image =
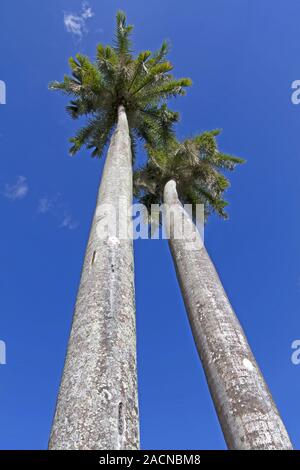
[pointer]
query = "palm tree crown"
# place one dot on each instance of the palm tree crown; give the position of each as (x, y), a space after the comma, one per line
(197, 167)
(141, 84)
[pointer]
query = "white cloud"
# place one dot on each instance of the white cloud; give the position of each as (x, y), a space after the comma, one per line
(58, 209)
(86, 11)
(75, 23)
(44, 205)
(68, 222)
(16, 190)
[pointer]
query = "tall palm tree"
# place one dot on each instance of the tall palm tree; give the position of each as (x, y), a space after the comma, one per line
(123, 97)
(245, 408)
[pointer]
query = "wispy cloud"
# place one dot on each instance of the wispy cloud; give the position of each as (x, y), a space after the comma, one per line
(68, 222)
(75, 23)
(17, 190)
(58, 209)
(44, 205)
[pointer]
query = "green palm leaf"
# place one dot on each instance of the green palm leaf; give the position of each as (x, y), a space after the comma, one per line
(142, 84)
(197, 167)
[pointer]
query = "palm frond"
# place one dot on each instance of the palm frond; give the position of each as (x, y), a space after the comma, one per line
(122, 44)
(141, 84)
(94, 135)
(197, 167)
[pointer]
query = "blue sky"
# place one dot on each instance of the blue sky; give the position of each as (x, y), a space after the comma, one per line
(243, 56)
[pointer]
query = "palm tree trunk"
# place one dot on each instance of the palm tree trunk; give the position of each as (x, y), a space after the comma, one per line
(97, 406)
(245, 408)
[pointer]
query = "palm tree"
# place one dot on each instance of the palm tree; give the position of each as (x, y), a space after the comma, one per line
(245, 408)
(123, 97)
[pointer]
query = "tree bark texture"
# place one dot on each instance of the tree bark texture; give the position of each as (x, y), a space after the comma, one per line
(97, 406)
(245, 408)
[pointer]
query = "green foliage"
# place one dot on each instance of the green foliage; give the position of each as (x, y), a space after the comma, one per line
(197, 167)
(141, 84)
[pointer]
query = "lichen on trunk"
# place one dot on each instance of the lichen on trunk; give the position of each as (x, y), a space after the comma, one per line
(97, 406)
(245, 408)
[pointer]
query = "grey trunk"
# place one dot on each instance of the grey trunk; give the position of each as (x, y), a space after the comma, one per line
(245, 408)
(97, 406)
